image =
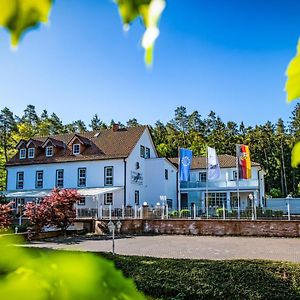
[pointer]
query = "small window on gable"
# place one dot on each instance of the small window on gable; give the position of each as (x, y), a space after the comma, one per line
(142, 151)
(76, 149)
(166, 174)
(31, 152)
(202, 177)
(49, 151)
(147, 154)
(22, 153)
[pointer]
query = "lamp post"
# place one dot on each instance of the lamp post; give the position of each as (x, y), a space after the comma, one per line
(111, 227)
(288, 198)
(251, 197)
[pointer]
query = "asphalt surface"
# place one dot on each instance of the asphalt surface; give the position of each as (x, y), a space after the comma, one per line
(192, 247)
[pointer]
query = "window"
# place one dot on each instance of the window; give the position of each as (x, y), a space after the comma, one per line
(20, 180)
(216, 199)
(166, 174)
(49, 151)
(147, 155)
(76, 149)
(202, 177)
(142, 151)
(59, 178)
(234, 175)
(22, 153)
(170, 203)
(39, 176)
(108, 198)
(31, 152)
(136, 197)
(108, 176)
(81, 177)
(81, 201)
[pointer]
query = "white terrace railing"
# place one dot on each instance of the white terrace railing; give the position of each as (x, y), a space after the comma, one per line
(145, 212)
(251, 183)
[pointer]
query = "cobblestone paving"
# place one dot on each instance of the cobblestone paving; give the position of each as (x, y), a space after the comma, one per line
(195, 247)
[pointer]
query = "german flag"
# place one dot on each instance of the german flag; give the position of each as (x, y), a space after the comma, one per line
(244, 163)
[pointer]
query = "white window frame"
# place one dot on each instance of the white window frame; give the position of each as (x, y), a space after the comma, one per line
(109, 177)
(18, 181)
(47, 151)
(31, 152)
(111, 201)
(202, 174)
(59, 178)
(147, 152)
(22, 154)
(142, 151)
(39, 182)
(81, 177)
(75, 146)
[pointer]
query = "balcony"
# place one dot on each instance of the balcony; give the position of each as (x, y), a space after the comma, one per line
(220, 184)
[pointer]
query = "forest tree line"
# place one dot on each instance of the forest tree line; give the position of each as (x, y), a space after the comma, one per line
(270, 144)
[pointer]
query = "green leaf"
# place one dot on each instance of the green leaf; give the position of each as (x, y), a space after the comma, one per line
(292, 86)
(149, 11)
(17, 16)
(296, 155)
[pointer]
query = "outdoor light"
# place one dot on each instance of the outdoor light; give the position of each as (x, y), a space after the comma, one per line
(145, 203)
(157, 204)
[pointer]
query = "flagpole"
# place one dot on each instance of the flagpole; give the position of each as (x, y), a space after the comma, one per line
(178, 184)
(238, 179)
(206, 198)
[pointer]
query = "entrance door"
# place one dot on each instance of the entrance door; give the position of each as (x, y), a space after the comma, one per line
(184, 200)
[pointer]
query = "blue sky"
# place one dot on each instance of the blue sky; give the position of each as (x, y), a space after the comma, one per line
(227, 56)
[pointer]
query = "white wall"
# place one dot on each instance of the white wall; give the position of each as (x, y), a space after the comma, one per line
(146, 141)
(157, 185)
(94, 174)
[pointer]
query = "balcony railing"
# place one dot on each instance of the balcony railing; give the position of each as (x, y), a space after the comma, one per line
(251, 183)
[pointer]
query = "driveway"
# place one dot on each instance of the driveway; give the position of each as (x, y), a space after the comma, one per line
(194, 247)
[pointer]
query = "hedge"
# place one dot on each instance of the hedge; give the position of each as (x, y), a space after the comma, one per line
(204, 279)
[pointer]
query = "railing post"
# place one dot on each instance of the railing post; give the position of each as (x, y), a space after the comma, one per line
(123, 212)
(101, 212)
(167, 211)
(224, 213)
(109, 211)
(288, 210)
(135, 211)
(163, 212)
(141, 212)
(194, 207)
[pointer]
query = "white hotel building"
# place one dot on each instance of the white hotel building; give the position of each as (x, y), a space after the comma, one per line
(117, 166)
(120, 167)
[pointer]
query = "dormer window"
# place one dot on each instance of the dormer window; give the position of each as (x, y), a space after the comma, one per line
(76, 149)
(49, 151)
(31, 152)
(22, 153)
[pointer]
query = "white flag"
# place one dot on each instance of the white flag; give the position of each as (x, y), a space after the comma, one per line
(213, 168)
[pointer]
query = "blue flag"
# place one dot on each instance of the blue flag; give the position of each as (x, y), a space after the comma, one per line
(185, 161)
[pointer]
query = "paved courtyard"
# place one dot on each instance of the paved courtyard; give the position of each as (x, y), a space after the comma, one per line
(195, 247)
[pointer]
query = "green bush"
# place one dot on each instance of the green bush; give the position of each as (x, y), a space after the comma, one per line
(204, 279)
(185, 213)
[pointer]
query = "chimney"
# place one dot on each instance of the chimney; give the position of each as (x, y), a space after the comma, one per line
(115, 127)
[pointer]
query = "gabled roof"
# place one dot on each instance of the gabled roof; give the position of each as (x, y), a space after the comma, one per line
(104, 144)
(21, 142)
(83, 140)
(55, 142)
(36, 143)
(225, 161)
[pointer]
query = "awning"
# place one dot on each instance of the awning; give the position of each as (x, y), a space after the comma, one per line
(44, 193)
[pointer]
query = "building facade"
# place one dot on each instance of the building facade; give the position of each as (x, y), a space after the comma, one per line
(224, 191)
(117, 166)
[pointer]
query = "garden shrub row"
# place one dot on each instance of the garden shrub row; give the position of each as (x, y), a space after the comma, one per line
(204, 279)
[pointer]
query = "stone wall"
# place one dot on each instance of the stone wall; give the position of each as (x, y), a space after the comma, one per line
(206, 227)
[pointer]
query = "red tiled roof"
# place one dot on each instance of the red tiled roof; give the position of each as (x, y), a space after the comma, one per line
(225, 161)
(104, 144)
